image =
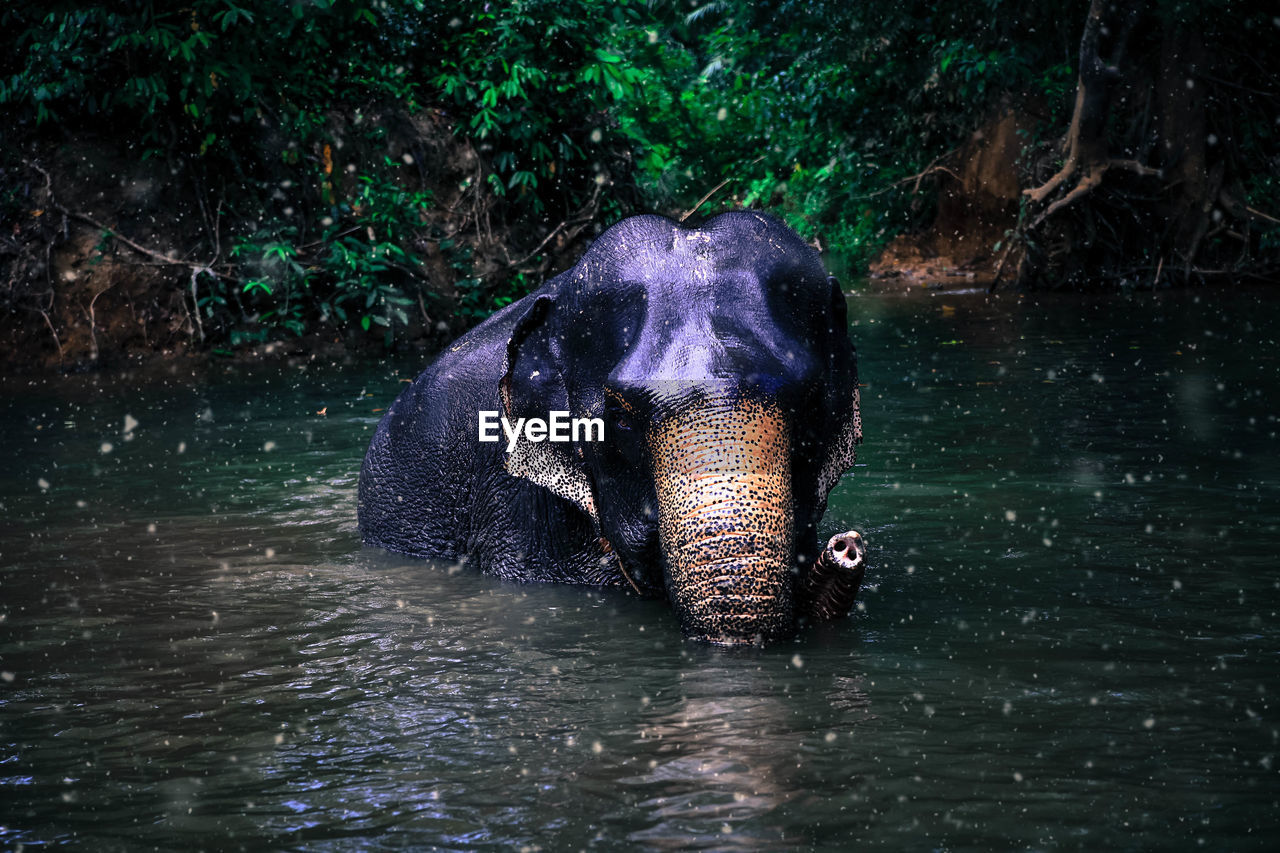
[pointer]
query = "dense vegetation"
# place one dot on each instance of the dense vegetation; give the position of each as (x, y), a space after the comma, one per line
(403, 167)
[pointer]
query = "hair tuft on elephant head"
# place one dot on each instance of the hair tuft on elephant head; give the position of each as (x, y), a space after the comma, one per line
(675, 409)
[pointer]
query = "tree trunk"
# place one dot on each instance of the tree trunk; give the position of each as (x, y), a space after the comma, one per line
(1181, 155)
(1088, 156)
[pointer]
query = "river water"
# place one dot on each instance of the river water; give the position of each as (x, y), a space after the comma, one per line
(1068, 636)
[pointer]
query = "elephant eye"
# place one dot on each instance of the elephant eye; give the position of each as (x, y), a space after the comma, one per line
(618, 415)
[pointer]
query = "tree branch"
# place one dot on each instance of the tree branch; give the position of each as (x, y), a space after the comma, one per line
(713, 191)
(585, 214)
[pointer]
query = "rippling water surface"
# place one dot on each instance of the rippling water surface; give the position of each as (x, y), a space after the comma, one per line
(1069, 634)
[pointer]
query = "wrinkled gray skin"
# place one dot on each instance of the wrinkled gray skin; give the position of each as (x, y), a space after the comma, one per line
(718, 358)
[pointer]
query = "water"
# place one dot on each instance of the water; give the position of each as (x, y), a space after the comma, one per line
(1069, 635)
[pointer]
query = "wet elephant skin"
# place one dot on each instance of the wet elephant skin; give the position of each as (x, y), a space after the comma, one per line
(717, 358)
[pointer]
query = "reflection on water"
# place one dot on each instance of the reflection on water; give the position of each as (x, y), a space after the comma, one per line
(1069, 634)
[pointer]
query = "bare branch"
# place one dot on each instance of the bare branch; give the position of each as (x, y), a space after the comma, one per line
(704, 199)
(584, 215)
(1261, 215)
(1135, 167)
(713, 191)
(52, 331)
(195, 300)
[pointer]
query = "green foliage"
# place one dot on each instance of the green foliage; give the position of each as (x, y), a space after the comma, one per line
(544, 86)
(277, 114)
(794, 106)
(241, 97)
(356, 271)
(816, 108)
(207, 67)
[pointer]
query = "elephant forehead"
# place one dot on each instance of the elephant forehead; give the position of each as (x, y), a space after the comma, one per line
(695, 264)
(696, 346)
(746, 234)
(724, 332)
(678, 269)
(742, 261)
(738, 299)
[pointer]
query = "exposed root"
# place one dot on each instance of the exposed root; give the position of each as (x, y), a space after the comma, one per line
(1087, 184)
(1037, 195)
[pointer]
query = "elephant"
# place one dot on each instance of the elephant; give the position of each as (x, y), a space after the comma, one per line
(711, 369)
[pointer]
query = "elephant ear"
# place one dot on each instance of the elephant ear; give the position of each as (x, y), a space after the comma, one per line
(533, 385)
(842, 396)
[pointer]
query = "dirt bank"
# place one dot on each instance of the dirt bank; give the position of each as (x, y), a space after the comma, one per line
(110, 259)
(978, 191)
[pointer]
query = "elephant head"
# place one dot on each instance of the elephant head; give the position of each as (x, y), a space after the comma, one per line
(719, 361)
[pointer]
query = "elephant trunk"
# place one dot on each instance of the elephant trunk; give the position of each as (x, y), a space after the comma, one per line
(831, 586)
(726, 521)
